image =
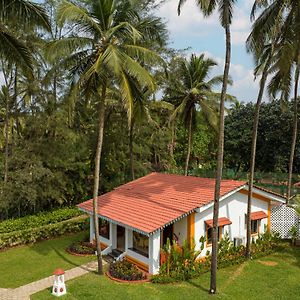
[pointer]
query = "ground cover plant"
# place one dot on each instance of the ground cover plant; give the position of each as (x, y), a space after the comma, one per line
(126, 271)
(82, 247)
(249, 280)
(24, 264)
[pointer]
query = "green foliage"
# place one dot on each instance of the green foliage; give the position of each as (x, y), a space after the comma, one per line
(32, 235)
(39, 220)
(294, 231)
(180, 264)
(81, 247)
(125, 270)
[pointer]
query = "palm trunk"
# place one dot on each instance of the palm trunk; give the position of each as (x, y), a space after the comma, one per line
(214, 255)
(131, 126)
(6, 141)
(97, 177)
(295, 132)
(253, 153)
(189, 145)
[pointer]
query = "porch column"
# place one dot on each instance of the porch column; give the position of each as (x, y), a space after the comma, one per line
(92, 233)
(113, 235)
(154, 253)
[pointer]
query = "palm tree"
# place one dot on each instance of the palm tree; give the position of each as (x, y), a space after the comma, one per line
(275, 44)
(262, 46)
(27, 14)
(225, 8)
(109, 53)
(193, 89)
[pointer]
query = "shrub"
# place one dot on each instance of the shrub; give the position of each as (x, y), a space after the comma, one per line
(39, 220)
(32, 235)
(126, 271)
(82, 248)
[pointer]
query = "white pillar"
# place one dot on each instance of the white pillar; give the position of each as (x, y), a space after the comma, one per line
(92, 229)
(154, 253)
(113, 235)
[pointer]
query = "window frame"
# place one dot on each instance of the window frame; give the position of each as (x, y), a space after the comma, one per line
(138, 250)
(257, 227)
(107, 224)
(220, 234)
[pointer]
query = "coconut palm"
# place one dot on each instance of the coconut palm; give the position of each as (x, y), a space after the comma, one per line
(225, 9)
(28, 15)
(275, 43)
(194, 89)
(107, 52)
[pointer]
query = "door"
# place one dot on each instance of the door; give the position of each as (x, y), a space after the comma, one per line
(168, 234)
(120, 238)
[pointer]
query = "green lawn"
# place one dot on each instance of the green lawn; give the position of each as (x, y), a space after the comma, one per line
(25, 264)
(274, 277)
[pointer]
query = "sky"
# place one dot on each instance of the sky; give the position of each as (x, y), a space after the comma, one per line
(205, 35)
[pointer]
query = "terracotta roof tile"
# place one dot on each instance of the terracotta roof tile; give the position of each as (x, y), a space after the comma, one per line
(221, 222)
(258, 215)
(155, 200)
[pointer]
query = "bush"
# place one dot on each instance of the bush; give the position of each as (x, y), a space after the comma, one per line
(32, 235)
(39, 220)
(82, 248)
(126, 271)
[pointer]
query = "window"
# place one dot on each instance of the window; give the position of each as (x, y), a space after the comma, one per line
(254, 226)
(209, 232)
(104, 228)
(140, 243)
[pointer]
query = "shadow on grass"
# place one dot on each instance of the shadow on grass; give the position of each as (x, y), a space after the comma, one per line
(199, 286)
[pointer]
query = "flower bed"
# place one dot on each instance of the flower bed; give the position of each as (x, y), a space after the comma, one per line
(81, 248)
(124, 271)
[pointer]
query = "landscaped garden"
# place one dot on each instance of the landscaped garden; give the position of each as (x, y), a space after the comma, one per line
(275, 276)
(24, 264)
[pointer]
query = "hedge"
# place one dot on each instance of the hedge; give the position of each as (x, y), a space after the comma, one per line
(32, 235)
(39, 220)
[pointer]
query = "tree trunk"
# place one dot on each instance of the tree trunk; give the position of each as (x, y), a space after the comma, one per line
(97, 176)
(189, 145)
(253, 152)
(295, 132)
(6, 140)
(214, 255)
(131, 126)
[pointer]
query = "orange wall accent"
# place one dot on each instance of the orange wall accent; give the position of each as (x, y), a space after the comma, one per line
(138, 263)
(255, 195)
(191, 228)
(269, 216)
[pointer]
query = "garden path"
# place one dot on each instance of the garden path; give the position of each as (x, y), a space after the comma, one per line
(23, 292)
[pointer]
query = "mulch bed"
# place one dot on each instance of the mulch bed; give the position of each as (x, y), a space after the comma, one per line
(78, 254)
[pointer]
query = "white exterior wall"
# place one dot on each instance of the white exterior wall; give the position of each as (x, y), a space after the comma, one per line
(154, 253)
(180, 229)
(234, 208)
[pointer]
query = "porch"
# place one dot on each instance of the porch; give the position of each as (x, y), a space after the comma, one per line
(135, 246)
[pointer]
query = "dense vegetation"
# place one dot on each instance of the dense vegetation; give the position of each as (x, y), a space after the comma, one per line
(49, 125)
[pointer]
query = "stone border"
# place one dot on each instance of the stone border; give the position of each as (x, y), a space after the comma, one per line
(127, 281)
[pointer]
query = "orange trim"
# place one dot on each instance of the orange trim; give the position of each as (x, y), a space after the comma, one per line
(255, 195)
(138, 263)
(191, 228)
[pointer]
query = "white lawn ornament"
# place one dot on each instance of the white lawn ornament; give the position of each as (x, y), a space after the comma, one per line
(59, 287)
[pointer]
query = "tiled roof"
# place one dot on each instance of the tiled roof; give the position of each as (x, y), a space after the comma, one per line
(153, 201)
(221, 222)
(258, 215)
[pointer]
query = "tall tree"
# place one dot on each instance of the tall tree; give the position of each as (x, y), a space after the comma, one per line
(108, 53)
(28, 14)
(193, 89)
(225, 8)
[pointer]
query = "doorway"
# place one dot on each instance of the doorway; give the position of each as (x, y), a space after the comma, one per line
(121, 238)
(168, 234)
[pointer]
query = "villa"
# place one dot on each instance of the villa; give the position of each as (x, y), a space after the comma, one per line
(137, 218)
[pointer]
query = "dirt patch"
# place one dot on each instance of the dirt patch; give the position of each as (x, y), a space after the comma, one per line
(268, 263)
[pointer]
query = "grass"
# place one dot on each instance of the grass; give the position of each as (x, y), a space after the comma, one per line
(25, 264)
(276, 276)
